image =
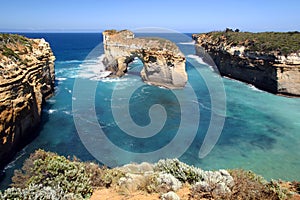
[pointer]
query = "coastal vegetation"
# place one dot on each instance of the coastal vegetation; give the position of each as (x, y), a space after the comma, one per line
(283, 42)
(268, 60)
(13, 46)
(46, 175)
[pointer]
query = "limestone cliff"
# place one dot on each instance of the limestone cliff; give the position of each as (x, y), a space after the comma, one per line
(164, 63)
(269, 61)
(26, 79)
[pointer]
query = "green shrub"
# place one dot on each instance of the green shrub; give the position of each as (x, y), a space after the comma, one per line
(72, 176)
(149, 184)
(248, 185)
(38, 192)
(275, 187)
(9, 53)
(282, 42)
(51, 170)
(57, 170)
(102, 177)
(179, 170)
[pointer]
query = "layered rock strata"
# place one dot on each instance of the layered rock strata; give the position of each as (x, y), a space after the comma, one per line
(164, 63)
(26, 80)
(271, 71)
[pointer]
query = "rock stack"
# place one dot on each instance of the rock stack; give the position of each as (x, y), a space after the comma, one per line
(164, 63)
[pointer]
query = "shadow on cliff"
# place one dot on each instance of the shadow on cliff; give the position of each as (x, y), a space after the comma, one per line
(19, 154)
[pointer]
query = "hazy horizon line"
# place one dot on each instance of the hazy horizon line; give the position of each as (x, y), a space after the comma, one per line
(101, 30)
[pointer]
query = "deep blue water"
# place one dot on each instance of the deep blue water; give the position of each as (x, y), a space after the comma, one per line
(261, 131)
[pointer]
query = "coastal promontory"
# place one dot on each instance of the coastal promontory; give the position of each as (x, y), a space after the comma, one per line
(164, 63)
(26, 80)
(268, 60)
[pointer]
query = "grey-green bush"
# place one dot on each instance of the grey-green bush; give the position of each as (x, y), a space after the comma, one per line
(179, 170)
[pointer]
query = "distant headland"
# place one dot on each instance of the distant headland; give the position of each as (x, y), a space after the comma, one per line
(269, 60)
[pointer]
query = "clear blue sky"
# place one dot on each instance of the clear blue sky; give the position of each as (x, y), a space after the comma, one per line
(180, 15)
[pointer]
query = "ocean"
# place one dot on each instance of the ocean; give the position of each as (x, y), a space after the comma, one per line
(213, 123)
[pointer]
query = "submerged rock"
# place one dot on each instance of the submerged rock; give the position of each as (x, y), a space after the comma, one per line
(164, 63)
(26, 80)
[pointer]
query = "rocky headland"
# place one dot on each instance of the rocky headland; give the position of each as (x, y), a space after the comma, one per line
(270, 61)
(26, 80)
(46, 175)
(164, 63)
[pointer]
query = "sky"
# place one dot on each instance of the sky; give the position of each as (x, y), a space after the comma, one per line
(179, 15)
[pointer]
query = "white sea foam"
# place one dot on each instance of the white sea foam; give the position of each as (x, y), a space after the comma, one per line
(187, 43)
(162, 87)
(200, 61)
(111, 80)
(136, 60)
(52, 101)
(61, 78)
(252, 87)
(93, 69)
(101, 75)
(50, 111)
(67, 112)
(69, 61)
(13, 163)
(197, 58)
(69, 72)
(145, 92)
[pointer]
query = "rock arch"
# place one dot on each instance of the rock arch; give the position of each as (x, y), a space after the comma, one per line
(164, 63)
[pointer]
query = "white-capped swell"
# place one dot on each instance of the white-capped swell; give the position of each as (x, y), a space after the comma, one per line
(61, 78)
(196, 58)
(69, 61)
(67, 112)
(19, 155)
(187, 43)
(51, 101)
(252, 87)
(93, 69)
(199, 60)
(50, 111)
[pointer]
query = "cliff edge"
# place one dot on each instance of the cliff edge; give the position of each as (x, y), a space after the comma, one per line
(270, 61)
(46, 175)
(164, 63)
(26, 79)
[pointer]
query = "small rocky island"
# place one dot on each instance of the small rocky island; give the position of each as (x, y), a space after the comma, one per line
(270, 61)
(26, 80)
(164, 63)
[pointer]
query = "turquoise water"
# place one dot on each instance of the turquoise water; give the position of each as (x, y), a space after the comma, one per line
(261, 131)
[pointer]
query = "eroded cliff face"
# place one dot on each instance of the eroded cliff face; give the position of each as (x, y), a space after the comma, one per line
(26, 79)
(271, 71)
(164, 63)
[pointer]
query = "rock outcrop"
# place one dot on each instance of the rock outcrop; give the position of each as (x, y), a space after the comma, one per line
(238, 56)
(26, 79)
(164, 63)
